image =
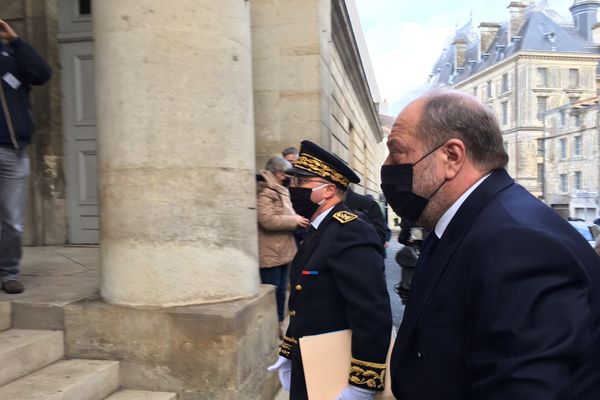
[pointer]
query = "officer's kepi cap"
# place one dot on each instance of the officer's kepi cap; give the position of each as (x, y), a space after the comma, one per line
(316, 161)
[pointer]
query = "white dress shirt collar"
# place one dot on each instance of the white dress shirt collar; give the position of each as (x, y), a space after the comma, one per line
(317, 221)
(445, 219)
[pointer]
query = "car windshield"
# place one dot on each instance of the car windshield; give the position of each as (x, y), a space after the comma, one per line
(585, 232)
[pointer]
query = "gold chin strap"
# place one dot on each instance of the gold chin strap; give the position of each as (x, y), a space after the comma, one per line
(11, 129)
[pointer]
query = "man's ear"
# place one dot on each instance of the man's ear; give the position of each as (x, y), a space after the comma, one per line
(456, 156)
(330, 191)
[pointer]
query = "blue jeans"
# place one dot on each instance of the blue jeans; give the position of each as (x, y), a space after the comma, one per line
(14, 171)
(278, 277)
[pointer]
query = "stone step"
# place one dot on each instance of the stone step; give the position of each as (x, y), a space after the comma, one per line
(66, 380)
(142, 395)
(24, 351)
(4, 315)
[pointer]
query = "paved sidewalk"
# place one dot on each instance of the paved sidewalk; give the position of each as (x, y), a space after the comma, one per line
(58, 274)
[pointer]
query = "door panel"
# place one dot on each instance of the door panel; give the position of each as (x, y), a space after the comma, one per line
(79, 119)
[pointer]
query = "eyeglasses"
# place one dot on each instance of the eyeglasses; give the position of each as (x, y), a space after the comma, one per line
(300, 181)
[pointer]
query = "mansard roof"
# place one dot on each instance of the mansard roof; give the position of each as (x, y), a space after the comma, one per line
(543, 30)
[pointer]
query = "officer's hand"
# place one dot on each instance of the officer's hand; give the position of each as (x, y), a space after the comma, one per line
(355, 393)
(6, 32)
(284, 367)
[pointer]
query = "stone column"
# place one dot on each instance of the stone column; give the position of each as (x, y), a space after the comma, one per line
(176, 151)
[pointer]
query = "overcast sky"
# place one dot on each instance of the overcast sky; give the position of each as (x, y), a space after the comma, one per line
(404, 41)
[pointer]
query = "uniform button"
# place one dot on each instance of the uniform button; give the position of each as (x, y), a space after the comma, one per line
(292, 313)
(298, 287)
(419, 355)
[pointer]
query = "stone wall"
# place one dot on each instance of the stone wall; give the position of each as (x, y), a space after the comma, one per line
(308, 85)
(286, 77)
(352, 136)
(353, 122)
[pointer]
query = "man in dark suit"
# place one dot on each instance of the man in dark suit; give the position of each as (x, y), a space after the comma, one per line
(505, 302)
(368, 209)
(337, 278)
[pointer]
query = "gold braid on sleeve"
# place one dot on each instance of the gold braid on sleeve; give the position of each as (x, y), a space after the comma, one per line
(367, 375)
(286, 346)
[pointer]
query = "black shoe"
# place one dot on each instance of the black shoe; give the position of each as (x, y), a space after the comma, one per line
(13, 287)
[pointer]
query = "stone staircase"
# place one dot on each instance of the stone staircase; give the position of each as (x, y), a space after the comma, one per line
(32, 367)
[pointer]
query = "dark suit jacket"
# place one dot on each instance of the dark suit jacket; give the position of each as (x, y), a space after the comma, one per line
(506, 307)
(337, 282)
(370, 211)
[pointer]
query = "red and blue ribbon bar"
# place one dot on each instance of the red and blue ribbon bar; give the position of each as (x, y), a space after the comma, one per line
(310, 272)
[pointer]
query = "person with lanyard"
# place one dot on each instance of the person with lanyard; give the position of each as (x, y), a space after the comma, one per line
(20, 67)
(337, 278)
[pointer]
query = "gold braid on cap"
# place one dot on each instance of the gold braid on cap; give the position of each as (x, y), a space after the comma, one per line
(318, 167)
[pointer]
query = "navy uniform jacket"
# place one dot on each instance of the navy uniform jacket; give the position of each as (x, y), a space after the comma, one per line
(506, 307)
(337, 282)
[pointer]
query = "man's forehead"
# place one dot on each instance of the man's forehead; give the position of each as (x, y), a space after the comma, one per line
(402, 131)
(409, 117)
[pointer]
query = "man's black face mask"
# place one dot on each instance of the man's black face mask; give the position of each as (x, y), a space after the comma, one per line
(397, 187)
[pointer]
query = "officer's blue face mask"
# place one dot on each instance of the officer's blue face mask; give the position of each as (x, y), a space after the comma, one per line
(397, 187)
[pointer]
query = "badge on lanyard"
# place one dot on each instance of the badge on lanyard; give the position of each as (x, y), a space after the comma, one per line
(11, 80)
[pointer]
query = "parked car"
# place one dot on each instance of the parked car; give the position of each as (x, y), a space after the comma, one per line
(589, 231)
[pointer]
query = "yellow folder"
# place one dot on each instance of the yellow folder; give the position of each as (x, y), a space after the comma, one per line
(326, 358)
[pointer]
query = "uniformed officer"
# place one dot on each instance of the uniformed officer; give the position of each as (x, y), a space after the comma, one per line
(337, 278)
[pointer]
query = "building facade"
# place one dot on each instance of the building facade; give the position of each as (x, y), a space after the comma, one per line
(311, 79)
(572, 156)
(533, 62)
(147, 141)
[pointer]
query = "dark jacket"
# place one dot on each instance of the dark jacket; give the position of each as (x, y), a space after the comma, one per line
(337, 282)
(507, 306)
(368, 209)
(19, 60)
(407, 256)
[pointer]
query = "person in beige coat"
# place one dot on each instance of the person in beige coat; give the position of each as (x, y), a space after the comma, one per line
(277, 222)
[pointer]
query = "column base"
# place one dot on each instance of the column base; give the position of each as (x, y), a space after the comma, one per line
(204, 352)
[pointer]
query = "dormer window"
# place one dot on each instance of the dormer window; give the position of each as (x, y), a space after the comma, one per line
(550, 36)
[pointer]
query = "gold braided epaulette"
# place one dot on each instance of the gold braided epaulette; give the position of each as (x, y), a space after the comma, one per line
(367, 375)
(344, 216)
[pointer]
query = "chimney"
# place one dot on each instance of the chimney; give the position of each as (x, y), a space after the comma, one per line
(460, 50)
(584, 14)
(517, 18)
(487, 34)
(596, 33)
